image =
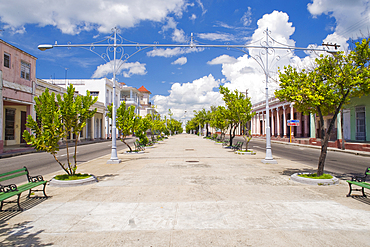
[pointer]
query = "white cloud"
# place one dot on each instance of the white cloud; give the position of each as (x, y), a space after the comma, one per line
(178, 35)
(171, 52)
(193, 17)
(126, 69)
(74, 16)
(247, 17)
(223, 59)
(352, 18)
(180, 61)
(189, 96)
(216, 36)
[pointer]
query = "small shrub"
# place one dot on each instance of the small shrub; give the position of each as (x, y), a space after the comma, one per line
(73, 177)
(314, 176)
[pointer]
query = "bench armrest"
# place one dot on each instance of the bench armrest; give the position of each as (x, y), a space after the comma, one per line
(35, 179)
(8, 188)
(358, 178)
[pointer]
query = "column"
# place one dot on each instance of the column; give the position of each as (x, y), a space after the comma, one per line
(272, 123)
(312, 126)
(339, 126)
(263, 124)
(258, 125)
(284, 123)
(277, 122)
(300, 127)
(92, 130)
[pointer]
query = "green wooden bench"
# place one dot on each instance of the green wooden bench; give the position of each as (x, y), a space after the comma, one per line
(237, 146)
(359, 181)
(138, 146)
(8, 191)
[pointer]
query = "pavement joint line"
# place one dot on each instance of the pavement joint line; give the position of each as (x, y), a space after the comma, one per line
(238, 202)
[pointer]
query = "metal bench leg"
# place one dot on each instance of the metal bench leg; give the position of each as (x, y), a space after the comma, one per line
(363, 191)
(19, 206)
(29, 194)
(350, 189)
(44, 191)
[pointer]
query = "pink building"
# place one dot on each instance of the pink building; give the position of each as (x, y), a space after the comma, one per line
(17, 90)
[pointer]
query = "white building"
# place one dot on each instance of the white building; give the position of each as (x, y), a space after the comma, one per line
(94, 128)
(101, 88)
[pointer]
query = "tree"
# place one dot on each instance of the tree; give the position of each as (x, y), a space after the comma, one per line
(143, 125)
(74, 112)
(126, 121)
(327, 87)
(219, 119)
(56, 120)
(238, 110)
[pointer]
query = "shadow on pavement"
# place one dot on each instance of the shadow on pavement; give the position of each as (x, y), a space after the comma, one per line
(12, 211)
(361, 199)
(106, 176)
(19, 235)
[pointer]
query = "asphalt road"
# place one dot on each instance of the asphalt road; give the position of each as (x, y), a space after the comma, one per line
(44, 163)
(342, 165)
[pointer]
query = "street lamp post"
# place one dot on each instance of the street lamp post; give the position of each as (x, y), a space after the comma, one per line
(114, 158)
(266, 48)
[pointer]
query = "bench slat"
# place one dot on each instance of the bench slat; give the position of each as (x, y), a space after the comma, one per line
(11, 172)
(361, 184)
(13, 176)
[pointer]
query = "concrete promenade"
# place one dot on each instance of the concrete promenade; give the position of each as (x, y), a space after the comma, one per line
(189, 191)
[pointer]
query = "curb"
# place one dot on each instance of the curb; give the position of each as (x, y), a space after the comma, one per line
(71, 183)
(362, 153)
(311, 181)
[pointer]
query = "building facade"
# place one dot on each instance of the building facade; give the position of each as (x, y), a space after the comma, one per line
(101, 88)
(17, 91)
(95, 126)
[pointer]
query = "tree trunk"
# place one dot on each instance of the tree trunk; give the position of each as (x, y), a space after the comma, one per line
(123, 140)
(324, 150)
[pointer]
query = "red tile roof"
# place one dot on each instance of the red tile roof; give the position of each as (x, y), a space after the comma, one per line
(144, 90)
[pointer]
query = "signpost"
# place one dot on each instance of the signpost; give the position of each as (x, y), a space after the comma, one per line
(292, 123)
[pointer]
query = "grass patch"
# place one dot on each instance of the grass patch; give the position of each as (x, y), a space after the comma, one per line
(74, 177)
(314, 176)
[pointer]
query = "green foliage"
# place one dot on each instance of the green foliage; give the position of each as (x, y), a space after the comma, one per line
(326, 87)
(239, 112)
(73, 177)
(55, 120)
(142, 126)
(219, 119)
(314, 176)
(126, 121)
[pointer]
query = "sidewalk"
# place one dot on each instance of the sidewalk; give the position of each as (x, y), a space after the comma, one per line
(189, 191)
(15, 150)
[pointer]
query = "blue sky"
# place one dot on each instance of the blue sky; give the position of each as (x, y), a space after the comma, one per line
(180, 79)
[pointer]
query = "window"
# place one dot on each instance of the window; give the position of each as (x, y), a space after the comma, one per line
(6, 60)
(360, 124)
(94, 93)
(25, 70)
(9, 124)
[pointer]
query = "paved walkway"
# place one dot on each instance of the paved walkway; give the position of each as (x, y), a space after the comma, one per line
(189, 191)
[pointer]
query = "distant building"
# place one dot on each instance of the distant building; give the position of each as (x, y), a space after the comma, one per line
(146, 105)
(17, 90)
(101, 88)
(95, 126)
